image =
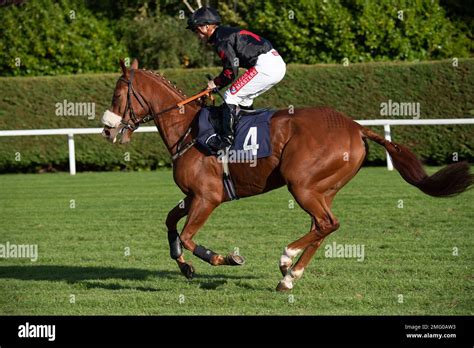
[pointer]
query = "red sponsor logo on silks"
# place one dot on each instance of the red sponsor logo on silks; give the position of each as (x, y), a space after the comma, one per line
(243, 80)
(228, 73)
(221, 55)
(246, 32)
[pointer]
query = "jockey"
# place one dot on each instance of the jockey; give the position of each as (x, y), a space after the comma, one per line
(237, 48)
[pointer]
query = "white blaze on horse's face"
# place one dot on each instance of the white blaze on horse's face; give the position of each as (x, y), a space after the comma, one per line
(112, 125)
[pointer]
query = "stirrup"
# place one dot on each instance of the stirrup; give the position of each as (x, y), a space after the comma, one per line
(218, 143)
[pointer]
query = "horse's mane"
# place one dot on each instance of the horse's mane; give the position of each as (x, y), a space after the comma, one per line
(172, 87)
(160, 78)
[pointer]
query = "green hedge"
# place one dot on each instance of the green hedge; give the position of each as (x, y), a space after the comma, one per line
(54, 37)
(358, 90)
(42, 37)
(328, 31)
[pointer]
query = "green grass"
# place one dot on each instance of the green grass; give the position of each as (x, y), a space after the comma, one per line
(408, 251)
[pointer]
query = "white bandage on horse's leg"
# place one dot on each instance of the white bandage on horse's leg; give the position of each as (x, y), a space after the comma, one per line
(110, 119)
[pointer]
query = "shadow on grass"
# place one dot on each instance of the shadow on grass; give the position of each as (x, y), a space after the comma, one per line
(213, 285)
(76, 274)
(98, 285)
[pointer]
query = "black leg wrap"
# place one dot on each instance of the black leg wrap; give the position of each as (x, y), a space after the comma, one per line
(175, 244)
(203, 253)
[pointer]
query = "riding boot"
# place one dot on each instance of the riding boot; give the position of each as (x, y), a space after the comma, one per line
(226, 136)
(228, 116)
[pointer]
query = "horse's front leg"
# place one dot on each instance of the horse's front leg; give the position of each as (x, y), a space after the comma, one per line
(176, 251)
(199, 212)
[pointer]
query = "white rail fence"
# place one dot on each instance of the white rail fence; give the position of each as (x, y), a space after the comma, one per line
(70, 132)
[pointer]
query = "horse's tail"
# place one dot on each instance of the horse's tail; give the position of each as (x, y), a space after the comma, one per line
(451, 180)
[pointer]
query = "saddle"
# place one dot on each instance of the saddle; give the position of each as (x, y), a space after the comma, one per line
(215, 113)
(251, 141)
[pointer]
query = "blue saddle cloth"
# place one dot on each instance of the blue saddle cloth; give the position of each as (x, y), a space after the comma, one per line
(252, 133)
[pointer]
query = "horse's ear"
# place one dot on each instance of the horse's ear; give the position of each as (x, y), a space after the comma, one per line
(134, 64)
(123, 67)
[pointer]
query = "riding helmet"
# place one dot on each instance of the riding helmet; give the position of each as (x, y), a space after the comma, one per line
(203, 16)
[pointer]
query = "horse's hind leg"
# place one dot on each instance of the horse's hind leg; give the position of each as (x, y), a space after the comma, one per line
(294, 249)
(324, 223)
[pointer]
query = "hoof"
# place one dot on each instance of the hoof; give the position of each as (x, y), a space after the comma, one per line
(234, 260)
(282, 286)
(187, 270)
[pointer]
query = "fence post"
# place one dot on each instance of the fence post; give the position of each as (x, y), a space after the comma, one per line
(388, 136)
(72, 154)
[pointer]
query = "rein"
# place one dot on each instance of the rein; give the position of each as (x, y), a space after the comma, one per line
(151, 115)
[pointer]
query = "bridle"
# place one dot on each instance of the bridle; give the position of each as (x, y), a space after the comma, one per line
(150, 115)
(133, 122)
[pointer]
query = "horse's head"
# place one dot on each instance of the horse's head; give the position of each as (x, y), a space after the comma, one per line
(128, 107)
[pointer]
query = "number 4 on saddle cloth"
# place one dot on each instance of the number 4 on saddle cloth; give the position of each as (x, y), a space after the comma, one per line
(252, 132)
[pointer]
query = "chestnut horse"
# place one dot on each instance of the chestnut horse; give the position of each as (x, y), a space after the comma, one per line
(316, 151)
